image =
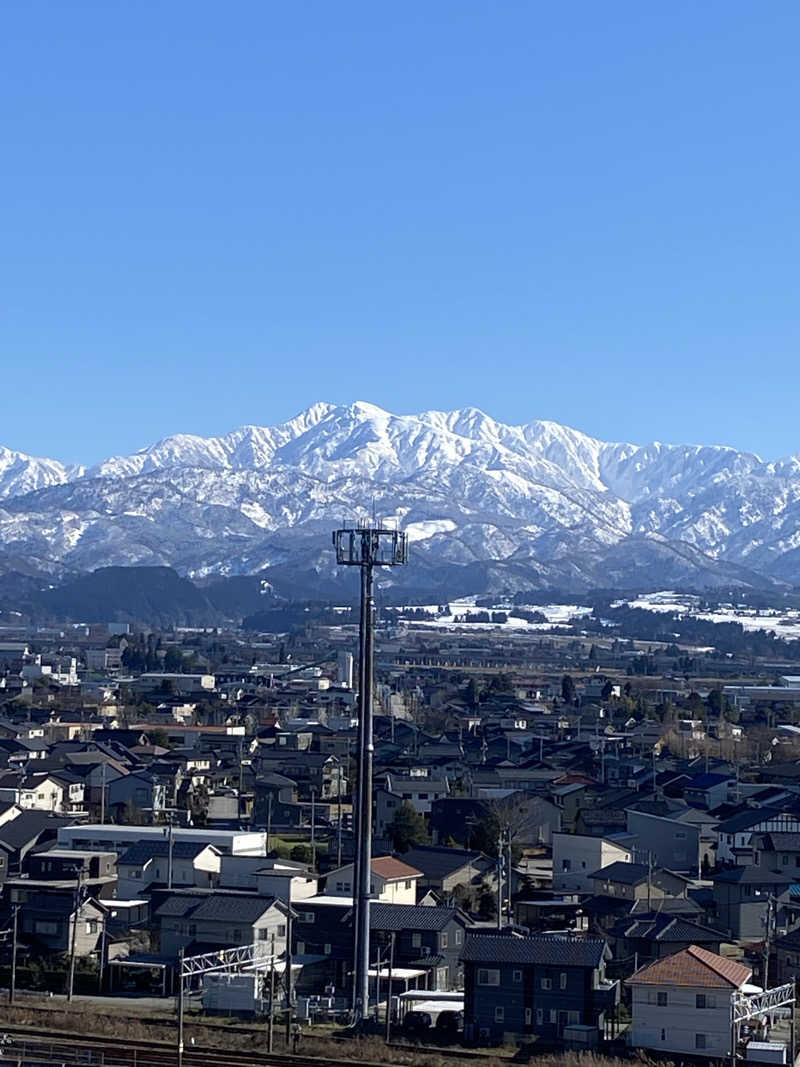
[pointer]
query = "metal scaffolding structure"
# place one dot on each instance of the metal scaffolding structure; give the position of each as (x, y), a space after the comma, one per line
(256, 956)
(365, 546)
(745, 1006)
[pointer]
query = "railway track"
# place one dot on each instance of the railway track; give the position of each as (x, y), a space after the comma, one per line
(25, 1046)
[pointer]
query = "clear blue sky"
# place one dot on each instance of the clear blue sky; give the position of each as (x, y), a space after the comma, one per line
(214, 214)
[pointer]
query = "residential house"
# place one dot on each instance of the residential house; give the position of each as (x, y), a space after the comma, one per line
(577, 857)
(393, 881)
(204, 921)
(427, 939)
(638, 881)
(444, 870)
(734, 834)
(741, 898)
(682, 1003)
(181, 864)
(534, 986)
(673, 844)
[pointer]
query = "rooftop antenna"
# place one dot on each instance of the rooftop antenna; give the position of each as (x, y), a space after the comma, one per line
(366, 547)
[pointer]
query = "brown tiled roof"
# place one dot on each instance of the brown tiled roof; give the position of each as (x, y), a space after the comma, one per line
(693, 966)
(389, 867)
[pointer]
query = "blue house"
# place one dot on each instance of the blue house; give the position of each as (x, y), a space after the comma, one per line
(524, 986)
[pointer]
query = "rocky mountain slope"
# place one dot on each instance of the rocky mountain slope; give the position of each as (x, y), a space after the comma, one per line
(484, 503)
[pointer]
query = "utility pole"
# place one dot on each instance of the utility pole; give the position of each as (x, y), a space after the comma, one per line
(287, 977)
(770, 923)
(102, 960)
(339, 812)
(389, 990)
(366, 546)
(313, 829)
(169, 852)
(12, 989)
(180, 1008)
(269, 820)
(74, 931)
(500, 881)
(508, 875)
(103, 793)
(271, 1022)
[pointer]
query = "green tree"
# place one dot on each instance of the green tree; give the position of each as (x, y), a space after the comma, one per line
(568, 691)
(408, 828)
(173, 661)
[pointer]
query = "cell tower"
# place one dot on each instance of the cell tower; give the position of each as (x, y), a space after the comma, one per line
(365, 546)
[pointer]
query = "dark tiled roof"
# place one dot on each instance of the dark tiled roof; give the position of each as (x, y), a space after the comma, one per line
(220, 907)
(440, 862)
(142, 851)
(546, 951)
(625, 873)
(217, 906)
(750, 876)
(410, 916)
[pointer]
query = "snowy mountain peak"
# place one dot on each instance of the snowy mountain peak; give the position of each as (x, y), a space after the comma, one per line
(472, 489)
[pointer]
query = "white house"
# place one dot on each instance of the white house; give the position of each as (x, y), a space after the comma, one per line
(578, 856)
(193, 864)
(734, 835)
(682, 1003)
(393, 881)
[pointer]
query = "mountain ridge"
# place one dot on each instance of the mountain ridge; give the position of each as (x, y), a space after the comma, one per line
(540, 496)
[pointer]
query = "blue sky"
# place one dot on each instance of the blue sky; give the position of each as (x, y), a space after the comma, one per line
(216, 214)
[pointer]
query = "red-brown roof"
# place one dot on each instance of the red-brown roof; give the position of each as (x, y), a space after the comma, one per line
(693, 966)
(389, 867)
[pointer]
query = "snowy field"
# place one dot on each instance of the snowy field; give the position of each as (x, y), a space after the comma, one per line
(780, 623)
(558, 616)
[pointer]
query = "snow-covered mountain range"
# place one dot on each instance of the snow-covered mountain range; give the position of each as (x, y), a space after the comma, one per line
(517, 506)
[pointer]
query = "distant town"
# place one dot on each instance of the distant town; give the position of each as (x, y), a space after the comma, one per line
(584, 837)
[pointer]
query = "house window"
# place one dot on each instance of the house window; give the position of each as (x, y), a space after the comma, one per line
(661, 999)
(443, 941)
(563, 980)
(282, 931)
(527, 1016)
(700, 1000)
(553, 1016)
(91, 926)
(301, 948)
(459, 937)
(488, 977)
(547, 983)
(663, 1035)
(699, 1040)
(407, 883)
(416, 940)
(573, 1018)
(517, 976)
(42, 927)
(539, 1016)
(566, 865)
(307, 916)
(499, 1014)
(327, 948)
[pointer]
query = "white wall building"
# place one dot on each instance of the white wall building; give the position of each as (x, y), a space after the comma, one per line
(393, 881)
(119, 838)
(576, 856)
(682, 1003)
